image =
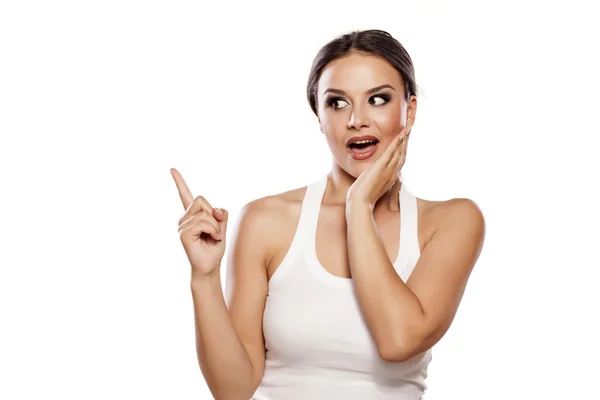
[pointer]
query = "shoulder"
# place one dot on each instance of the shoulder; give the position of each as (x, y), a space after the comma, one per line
(456, 216)
(451, 210)
(264, 221)
(273, 207)
(436, 216)
(463, 211)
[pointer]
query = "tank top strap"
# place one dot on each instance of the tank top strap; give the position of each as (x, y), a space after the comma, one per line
(409, 229)
(309, 213)
(311, 207)
(305, 231)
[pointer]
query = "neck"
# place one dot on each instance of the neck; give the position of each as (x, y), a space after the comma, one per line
(340, 181)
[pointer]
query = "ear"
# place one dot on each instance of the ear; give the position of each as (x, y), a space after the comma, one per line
(412, 111)
(320, 126)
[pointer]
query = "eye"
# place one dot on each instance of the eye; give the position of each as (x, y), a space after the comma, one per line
(384, 97)
(334, 102)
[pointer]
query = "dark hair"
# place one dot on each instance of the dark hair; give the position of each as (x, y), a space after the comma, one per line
(374, 42)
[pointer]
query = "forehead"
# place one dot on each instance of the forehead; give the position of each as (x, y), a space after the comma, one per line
(358, 73)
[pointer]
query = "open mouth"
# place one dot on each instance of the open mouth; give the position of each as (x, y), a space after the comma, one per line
(363, 145)
(363, 149)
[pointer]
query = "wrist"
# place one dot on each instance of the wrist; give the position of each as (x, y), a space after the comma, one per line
(200, 280)
(356, 204)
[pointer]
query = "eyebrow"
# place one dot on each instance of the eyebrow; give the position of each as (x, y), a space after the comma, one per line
(375, 89)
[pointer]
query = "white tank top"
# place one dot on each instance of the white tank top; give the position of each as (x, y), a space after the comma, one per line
(318, 346)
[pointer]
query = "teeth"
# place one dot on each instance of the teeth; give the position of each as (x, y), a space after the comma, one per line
(363, 141)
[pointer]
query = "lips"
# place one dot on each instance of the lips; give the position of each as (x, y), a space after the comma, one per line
(359, 138)
(363, 154)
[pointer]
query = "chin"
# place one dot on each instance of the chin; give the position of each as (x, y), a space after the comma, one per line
(352, 167)
(356, 170)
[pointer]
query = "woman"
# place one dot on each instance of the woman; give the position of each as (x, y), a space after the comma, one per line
(315, 307)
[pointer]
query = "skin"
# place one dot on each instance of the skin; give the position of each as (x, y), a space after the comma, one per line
(363, 212)
(359, 113)
(356, 113)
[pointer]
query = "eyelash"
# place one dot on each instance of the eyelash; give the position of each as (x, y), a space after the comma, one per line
(331, 101)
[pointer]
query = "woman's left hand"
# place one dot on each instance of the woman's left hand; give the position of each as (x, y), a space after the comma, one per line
(379, 177)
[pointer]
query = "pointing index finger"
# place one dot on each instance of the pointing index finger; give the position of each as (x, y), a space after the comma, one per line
(184, 192)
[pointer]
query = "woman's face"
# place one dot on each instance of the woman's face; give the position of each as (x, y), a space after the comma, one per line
(361, 95)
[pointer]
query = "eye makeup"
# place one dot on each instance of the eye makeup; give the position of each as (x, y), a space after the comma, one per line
(333, 100)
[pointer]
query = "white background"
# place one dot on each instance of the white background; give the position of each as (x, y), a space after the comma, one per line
(99, 99)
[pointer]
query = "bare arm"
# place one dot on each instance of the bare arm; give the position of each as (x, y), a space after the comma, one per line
(229, 341)
(408, 319)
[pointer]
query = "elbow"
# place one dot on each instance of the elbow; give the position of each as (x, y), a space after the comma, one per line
(394, 354)
(238, 390)
(234, 393)
(397, 351)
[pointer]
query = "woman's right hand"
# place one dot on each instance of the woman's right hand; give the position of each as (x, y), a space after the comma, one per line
(202, 230)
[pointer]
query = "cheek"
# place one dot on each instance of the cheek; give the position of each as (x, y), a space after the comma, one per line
(389, 124)
(333, 130)
(333, 141)
(331, 121)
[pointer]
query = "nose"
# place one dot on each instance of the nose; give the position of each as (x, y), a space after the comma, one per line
(358, 119)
